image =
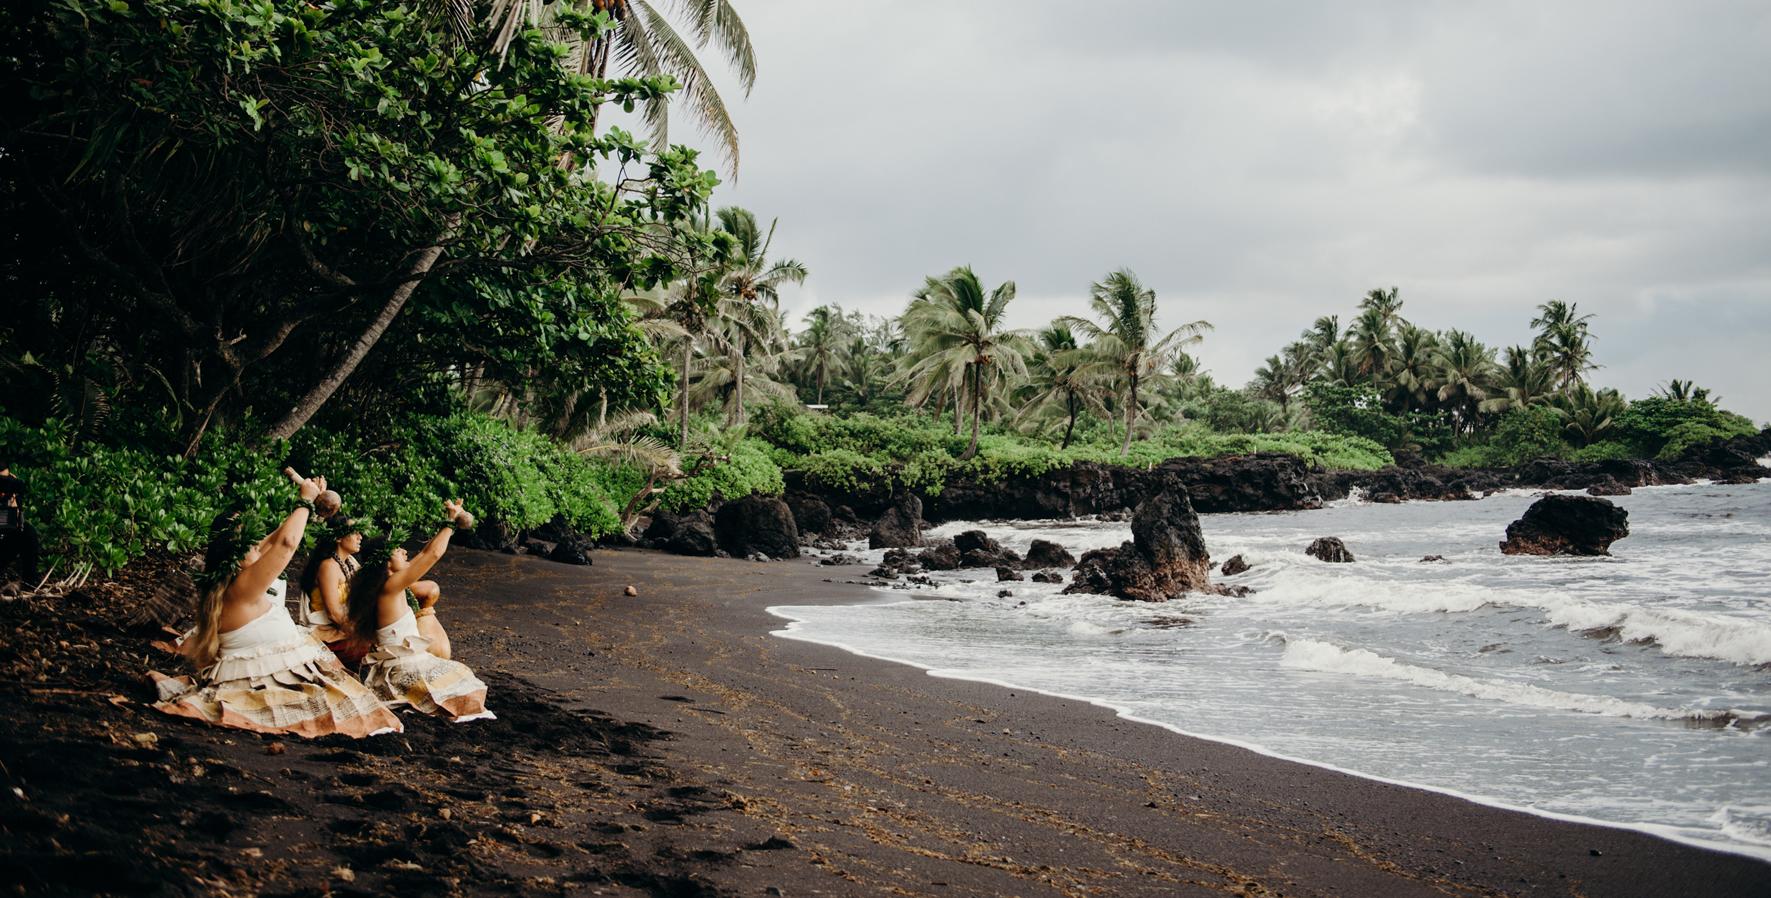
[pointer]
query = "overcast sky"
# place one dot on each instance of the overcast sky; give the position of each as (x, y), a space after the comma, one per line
(1260, 163)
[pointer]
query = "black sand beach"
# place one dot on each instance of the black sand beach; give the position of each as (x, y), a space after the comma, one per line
(665, 744)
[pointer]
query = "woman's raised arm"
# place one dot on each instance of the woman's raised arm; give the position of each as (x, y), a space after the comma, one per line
(420, 564)
(271, 556)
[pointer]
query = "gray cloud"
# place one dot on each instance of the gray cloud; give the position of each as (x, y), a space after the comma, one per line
(1261, 164)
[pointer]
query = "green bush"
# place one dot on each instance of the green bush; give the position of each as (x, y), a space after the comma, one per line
(743, 468)
(1604, 450)
(1660, 427)
(1523, 434)
(1354, 411)
(104, 505)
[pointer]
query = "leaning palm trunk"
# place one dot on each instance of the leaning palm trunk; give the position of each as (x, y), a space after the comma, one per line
(416, 271)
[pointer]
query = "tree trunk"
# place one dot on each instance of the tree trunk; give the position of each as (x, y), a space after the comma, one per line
(1070, 403)
(977, 412)
(738, 388)
(316, 396)
(1131, 414)
(821, 375)
(682, 410)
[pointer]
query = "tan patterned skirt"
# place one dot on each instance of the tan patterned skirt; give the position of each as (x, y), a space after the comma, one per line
(288, 683)
(402, 671)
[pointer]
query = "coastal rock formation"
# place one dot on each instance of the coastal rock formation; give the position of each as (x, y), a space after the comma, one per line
(1329, 548)
(574, 549)
(1047, 577)
(757, 524)
(684, 534)
(495, 536)
(900, 526)
(1261, 481)
(1165, 557)
(1609, 487)
(1004, 574)
(977, 549)
(942, 556)
(1567, 525)
(1234, 566)
(811, 515)
(1044, 553)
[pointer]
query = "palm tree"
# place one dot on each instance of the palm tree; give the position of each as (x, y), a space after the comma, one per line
(1412, 367)
(1465, 377)
(822, 343)
(742, 354)
(960, 345)
(751, 276)
(1058, 380)
(1564, 341)
(1525, 380)
(1126, 342)
(1387, 303)
(644, 43)
(1588, 417)
(1370, 341)
(1685, 391)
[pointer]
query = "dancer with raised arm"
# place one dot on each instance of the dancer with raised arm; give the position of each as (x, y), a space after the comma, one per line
(402, 669)
(256, 669)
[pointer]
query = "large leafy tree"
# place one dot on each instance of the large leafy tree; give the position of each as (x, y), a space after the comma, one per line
(643, 43)
(961, 345)
(1126, 342)
(264, 189)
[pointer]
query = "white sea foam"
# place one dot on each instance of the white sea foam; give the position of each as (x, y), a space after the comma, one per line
(1311, 654)
(1692, 634)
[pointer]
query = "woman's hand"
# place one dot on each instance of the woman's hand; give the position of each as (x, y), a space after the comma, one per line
(456, 513)
(310, 487)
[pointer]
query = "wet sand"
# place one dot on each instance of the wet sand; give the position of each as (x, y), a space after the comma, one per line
(665, 744)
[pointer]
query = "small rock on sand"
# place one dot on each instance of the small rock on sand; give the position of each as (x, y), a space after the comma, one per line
(631, 590)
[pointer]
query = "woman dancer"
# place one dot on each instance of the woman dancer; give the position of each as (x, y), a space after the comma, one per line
(257, 670)
(402, 669)
(326, 584)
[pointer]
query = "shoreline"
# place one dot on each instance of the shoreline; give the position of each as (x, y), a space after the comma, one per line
(1659, 831)
(668, 744)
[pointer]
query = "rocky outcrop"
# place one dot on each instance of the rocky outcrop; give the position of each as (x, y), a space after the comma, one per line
(684, 534)
(1609, 487)
(900, 526)
(1044, 553)
(1567, 525)
(496, 536)
(1236, 565)
(1329, 548)
(977, 549)
(757, 525)
(1165, 557)
(942, 556)
(811, 515)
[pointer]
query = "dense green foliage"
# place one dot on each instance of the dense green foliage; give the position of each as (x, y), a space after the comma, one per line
(103, 505)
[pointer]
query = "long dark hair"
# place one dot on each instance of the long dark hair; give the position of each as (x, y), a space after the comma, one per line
(324, 549)
(366, 586)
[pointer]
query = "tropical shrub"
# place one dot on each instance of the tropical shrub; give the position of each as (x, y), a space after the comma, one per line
(1663, 427)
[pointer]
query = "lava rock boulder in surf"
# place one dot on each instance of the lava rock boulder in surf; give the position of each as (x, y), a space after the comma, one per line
(1567, 525)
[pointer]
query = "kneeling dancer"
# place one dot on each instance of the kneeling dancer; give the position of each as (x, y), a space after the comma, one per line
(402, 669)
(257, 670)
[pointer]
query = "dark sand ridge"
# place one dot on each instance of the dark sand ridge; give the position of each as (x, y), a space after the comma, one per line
(721, 760)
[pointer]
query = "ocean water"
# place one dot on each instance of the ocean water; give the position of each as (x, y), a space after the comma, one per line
(1632, 690)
